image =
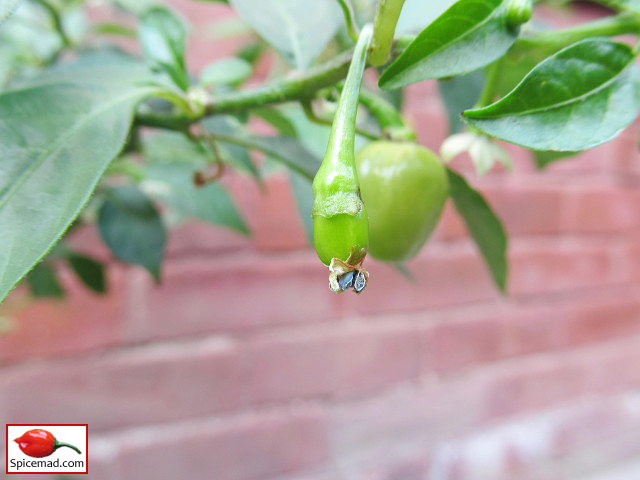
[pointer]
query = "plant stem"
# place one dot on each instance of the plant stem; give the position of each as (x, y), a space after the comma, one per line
(389, 119)
(304, 86)
(384, 27)
(307, 83)
(349, 20)
(313, 117)
(57, 21)
(488, 92)
(341, 138)
(619, 24)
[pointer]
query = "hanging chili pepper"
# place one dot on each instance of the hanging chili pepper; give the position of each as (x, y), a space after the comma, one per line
(40, 443)
(340, 222)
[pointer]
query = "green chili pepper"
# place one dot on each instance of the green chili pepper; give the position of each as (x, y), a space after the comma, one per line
(340, 221)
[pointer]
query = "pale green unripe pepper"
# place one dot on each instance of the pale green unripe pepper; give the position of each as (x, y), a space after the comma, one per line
(340, 221)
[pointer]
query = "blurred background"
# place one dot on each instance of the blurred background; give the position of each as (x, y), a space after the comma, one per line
(242, 365)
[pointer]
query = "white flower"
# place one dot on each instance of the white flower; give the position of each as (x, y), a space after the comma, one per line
(481, 148)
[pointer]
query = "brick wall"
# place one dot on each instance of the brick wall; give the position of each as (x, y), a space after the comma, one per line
(243, 366)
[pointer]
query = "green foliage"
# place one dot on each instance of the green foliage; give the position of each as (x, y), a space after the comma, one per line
(459, 94)
(227, 71)
(578, 98)
(77, 112)
(43, 282)
(483, 225)
(6, 8)
(163, 40)
(89, 271)
(298, 32)
(468, 36)
(173, 184)
(132, 228)
(57, 158)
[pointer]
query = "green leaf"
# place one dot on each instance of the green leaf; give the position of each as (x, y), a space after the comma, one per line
(303, 194)
(226, 71)
(6, 9)
(582, 96)
(132, 228)
(545, 157)
(630, 5)
(236, 155)
(468, 36)
(458, 94)
(285, 150)
(43, 282)
(298, 30)
(173, 147)
(107, 69)
(417, 14)
(276, 119)
(112, 28)
(163, 40)
(517, 63)
(483, 225)
(59, 139)
(173, 183)
(89, 271)
(137, 7)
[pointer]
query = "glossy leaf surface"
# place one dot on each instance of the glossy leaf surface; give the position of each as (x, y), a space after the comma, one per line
(56, 140)
(89, 271)
(299, 29)
(226, 71)
(173, 183)
(132, 228)
(484, 226)
(466, 37)
(43, 282)
(580, 97)
(163, 40)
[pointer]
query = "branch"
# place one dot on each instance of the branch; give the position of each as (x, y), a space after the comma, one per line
(300, 87)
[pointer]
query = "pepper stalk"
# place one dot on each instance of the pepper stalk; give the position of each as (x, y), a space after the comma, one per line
(341, 226)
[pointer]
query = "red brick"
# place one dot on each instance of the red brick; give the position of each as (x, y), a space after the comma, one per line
(616, 369)
(601, 209)
(81, 322)
(626, 157)
(474, 336)
(551, 266)
(533, 387)
(401, 419)
(617, 317)
(197, 238)
(426, 114)
(451, 346)
(256, 446)
(527, 209)
(443, 275)
(270, 213)
(238, 293)
(145, 385)
(450, 226)
(599, 160)
(338, 361)
(396, 467)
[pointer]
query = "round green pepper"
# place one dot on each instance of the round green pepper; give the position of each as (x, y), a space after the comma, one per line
(404, 187)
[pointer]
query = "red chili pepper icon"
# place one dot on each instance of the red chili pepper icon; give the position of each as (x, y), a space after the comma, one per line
(39, 443)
